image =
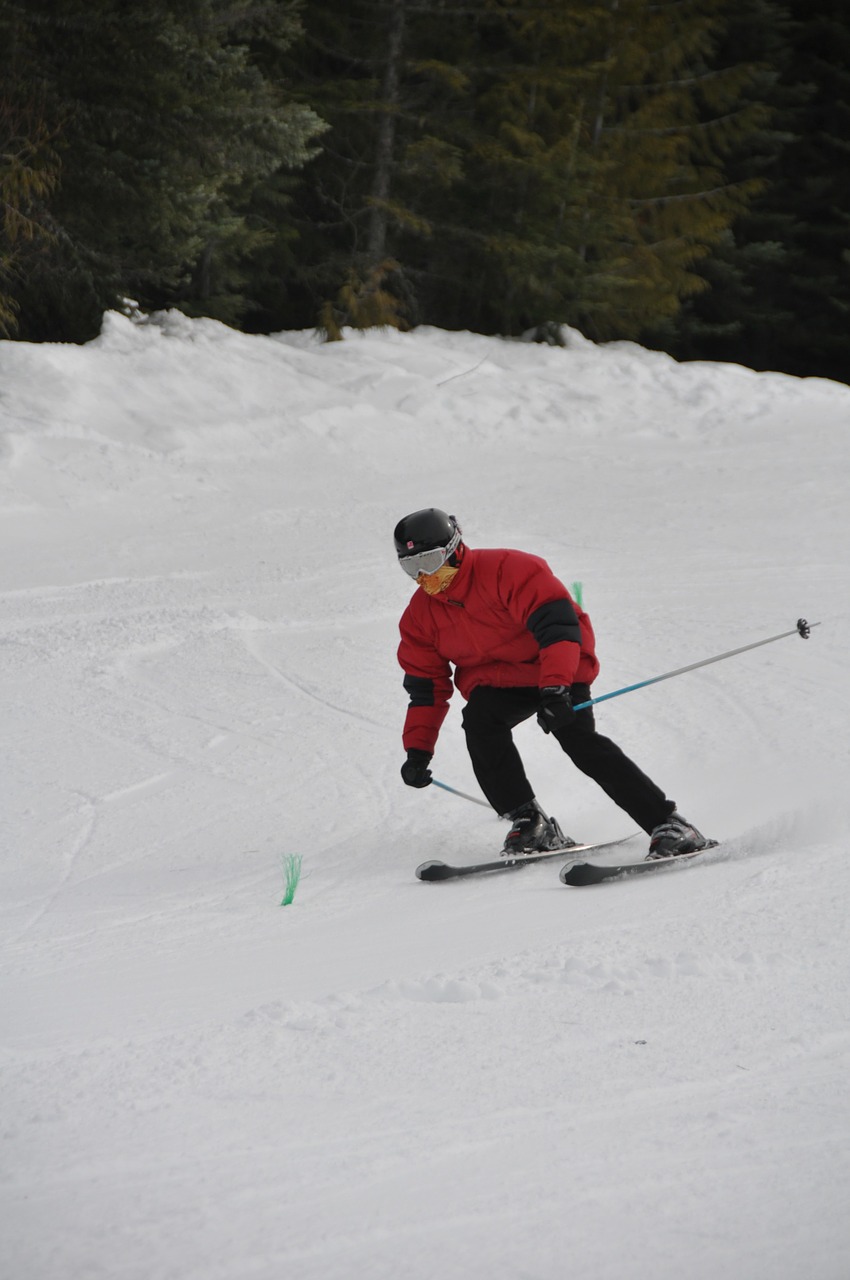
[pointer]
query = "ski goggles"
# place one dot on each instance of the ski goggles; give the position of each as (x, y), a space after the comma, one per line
(428, 562)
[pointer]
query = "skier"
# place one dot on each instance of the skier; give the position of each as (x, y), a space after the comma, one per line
(520, 646)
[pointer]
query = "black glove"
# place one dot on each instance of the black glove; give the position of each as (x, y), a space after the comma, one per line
(556, 709)
(415, 771)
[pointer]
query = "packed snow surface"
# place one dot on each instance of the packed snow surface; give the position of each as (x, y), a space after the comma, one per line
(499, 1078)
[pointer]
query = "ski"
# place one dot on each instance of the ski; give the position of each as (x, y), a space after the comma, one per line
(579, 874)
(436, 870)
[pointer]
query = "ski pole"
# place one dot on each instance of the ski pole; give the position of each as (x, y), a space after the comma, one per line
(465, 795)
(802, 629)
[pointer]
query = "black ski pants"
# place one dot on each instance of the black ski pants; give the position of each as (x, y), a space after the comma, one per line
(491, 714)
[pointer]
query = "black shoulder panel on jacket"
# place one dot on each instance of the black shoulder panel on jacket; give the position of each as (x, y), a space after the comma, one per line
(420, 690)
(554, 622)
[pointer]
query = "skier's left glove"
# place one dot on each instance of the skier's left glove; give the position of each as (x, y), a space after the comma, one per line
(556, 709)
(415, 771)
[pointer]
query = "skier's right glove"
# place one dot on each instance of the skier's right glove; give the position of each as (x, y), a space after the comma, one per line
(415, 771)
(556, 709)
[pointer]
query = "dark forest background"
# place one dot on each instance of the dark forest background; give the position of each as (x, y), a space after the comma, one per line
(675, 172)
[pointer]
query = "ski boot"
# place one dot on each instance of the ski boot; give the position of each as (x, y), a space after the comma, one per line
(532, 832)
(675, 836)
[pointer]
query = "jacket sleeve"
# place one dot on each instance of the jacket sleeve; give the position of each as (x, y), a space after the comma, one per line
(428, 684)
(541, 602)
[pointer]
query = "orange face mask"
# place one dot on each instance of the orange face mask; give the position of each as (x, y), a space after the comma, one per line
(434, 583)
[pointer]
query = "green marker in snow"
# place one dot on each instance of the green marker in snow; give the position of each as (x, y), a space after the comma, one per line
(291, 876)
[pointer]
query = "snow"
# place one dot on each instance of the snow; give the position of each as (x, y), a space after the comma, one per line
(500, 1078)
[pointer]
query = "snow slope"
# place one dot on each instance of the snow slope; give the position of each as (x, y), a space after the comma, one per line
(499, 1078)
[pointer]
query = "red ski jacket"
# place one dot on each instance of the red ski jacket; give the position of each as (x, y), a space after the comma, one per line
(504, 621)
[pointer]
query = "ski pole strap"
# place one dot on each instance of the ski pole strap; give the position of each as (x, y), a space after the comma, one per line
(802, 629)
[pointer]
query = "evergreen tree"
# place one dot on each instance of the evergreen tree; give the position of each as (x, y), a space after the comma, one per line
(168, 128)
(779, 294)
(29, 169)
(667, 121)
(814, 191)
(725, 320)
(601, 132)
(353, 68)
(799, 317)
(501, 179)
(505, 162)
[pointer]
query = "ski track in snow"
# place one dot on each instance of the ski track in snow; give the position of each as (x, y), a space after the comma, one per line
(498, 1077)
(303, 688)
(89, 824)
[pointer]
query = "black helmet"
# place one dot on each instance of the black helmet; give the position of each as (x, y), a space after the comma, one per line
(426, 531)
